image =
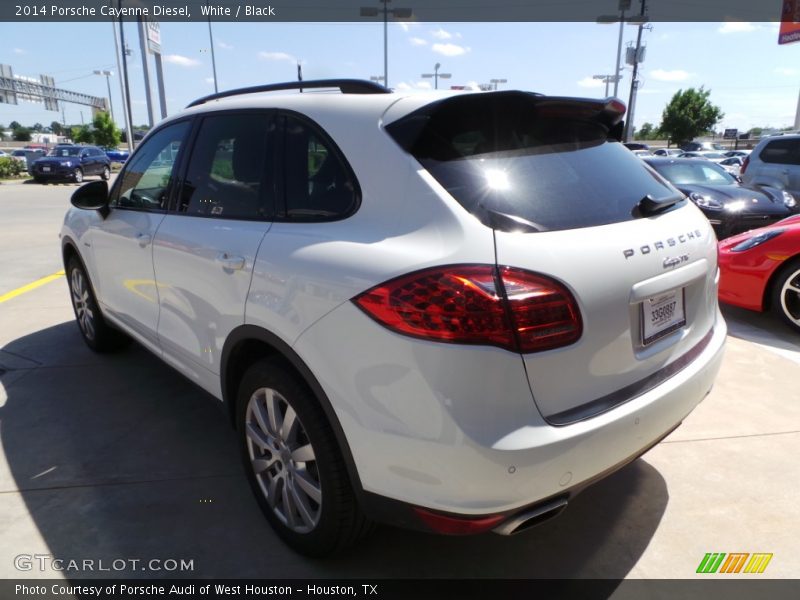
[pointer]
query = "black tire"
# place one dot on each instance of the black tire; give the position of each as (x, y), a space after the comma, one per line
(77, 175)
(97, 334)
(785, 301)
(303, 451)
(39, 180)
(106, 174)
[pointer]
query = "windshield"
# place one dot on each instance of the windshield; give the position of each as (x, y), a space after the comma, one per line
(73, 151)
(694, 173)
(713, 155)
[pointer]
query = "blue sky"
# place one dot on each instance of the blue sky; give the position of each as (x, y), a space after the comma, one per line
(753, 79)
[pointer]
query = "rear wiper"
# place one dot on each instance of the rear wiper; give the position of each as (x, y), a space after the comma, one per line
(650, 206)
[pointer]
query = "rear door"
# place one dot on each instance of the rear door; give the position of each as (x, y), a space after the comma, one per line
(568, 203)
(206, 247)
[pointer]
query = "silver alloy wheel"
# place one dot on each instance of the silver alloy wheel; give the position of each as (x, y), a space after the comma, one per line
(80, 300)
(78, 176)
(283, 460)
(790, 297)
(106, 173)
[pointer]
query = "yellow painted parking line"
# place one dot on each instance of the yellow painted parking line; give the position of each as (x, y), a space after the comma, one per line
(30, 286)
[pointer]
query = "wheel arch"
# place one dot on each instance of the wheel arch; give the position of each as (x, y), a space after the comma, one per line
(249, 343)
(766, 297)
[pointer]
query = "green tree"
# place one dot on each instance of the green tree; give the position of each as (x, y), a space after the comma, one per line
(14, 125)
(22, 134)
(82, 135)
(689, 114)
(105, 132)
(37, 127)
(56, 128)
(646, 132)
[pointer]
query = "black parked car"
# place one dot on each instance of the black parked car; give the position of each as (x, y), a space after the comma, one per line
(730, 206)
(71, 163)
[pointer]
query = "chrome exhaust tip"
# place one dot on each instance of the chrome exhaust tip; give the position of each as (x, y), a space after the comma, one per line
(532, 517)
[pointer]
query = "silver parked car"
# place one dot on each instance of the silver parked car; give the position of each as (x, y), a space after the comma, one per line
(775, 162)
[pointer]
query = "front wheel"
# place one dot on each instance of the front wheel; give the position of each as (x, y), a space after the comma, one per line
(77, 175)
(106, 174)
(786, 294)
(97, 334)
(294, 464)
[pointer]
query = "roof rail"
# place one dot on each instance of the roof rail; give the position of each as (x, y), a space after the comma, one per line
(346, 86)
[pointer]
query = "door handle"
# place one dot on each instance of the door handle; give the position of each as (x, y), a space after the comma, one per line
(230, 261)
(144, 239)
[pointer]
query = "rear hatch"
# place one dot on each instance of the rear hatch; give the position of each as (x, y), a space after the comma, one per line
(566, 200)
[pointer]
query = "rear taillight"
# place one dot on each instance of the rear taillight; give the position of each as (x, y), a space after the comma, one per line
(477, 304)
(745, 162)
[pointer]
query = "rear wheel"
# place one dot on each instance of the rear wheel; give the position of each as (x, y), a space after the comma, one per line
(786, 294)
(294, 464)
(97, 334)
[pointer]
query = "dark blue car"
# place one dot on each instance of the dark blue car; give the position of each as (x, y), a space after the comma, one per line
(71, 163)
(115, 155)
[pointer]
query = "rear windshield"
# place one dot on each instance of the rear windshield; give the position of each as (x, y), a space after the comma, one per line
(544, 161)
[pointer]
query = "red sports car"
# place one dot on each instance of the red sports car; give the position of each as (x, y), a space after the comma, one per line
(760, 270)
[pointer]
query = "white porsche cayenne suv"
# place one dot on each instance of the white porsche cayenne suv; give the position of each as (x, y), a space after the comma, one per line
(449, 312)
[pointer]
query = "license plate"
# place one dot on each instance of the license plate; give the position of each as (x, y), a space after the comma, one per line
(661, 315)
(46, 169)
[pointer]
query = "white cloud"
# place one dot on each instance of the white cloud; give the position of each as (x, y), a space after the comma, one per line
(423, 85)
(590, 82)
(402, 86)
(19, 51)
(648, 91)
(407, 25)
(415, 41)
(277, 56)
(737, 27)
(450, 49)
(181, 61)
(209, 80)
(788, 72)
(224, 46)
(675, 75)
(441, 34)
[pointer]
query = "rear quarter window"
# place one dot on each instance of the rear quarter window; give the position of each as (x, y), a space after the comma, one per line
(784, 152)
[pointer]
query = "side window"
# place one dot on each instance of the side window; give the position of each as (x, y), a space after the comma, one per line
(228, 175)
(783, 152)
(144, 183)
(318, 184)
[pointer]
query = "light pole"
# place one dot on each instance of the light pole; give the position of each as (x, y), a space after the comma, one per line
(436, 75)
(213, 56)
(637, 58)
(108, 83)
(397, 13)
(621, 19)
(608, 79)
(494, 82)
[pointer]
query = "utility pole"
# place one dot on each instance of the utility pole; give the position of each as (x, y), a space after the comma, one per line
(628, 134)
(125, 77)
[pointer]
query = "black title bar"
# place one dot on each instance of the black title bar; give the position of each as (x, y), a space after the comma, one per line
(421, 10)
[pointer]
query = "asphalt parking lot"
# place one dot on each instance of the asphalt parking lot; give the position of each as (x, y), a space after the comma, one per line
(118, 457)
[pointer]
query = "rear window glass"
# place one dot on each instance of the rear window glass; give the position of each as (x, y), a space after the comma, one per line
(784, 152)
(532, 158)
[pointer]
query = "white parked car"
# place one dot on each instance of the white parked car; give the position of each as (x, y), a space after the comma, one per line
(450, 312)
(711, 155)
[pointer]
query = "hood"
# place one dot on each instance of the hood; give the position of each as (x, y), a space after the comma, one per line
(756, 200)
(59, 160)
(789, 223)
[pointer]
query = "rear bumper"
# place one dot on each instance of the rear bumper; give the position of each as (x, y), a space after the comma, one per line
(457, 430)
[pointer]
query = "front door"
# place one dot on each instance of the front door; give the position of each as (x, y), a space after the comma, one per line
(122, 242)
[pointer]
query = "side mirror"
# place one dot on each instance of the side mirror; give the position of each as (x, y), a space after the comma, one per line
(92, 196)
